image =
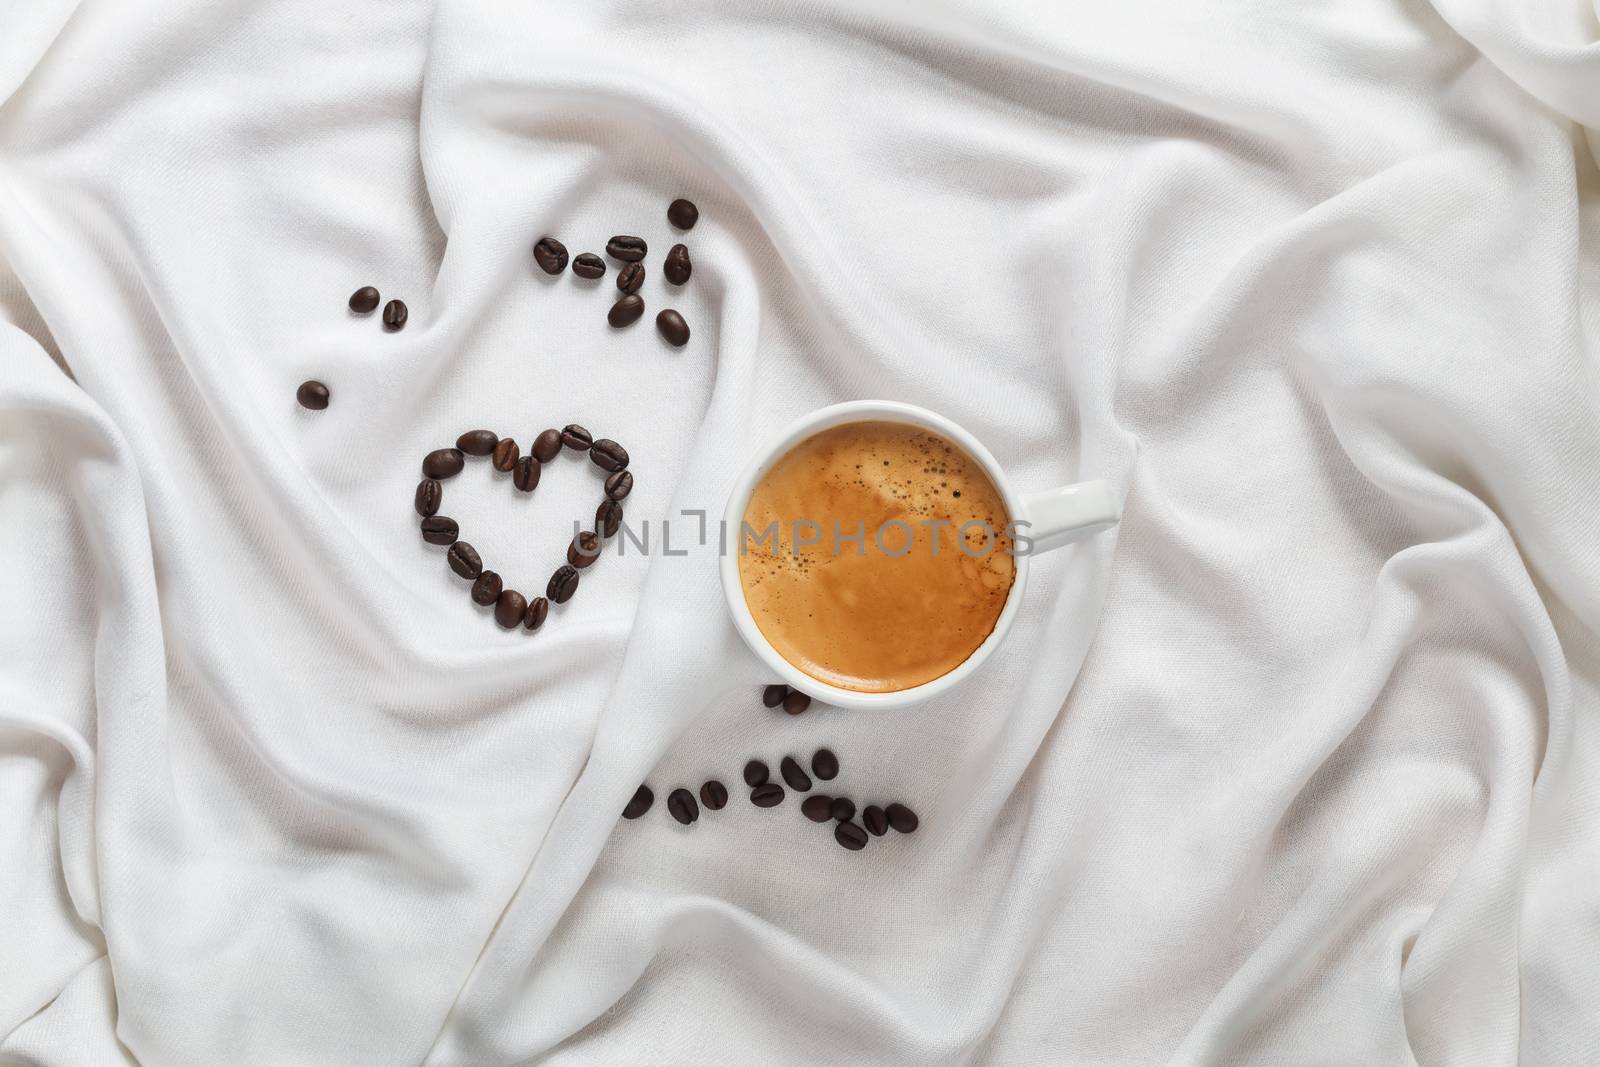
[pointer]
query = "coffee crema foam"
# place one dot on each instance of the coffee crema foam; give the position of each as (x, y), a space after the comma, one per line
(876, 618)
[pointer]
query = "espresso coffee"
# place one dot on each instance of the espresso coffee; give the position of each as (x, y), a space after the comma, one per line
(876, 556)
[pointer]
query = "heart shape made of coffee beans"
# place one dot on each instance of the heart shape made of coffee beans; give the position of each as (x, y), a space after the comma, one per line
(511, 608)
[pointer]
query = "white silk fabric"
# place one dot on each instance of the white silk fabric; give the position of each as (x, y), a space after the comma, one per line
(1298, 766)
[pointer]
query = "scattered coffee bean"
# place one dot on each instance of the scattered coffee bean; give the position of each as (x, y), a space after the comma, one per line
(627, 311)
(755, 773)
(313, 395)
(526, 474)
(844, 809)
(563, 583)
(877, 822)
(677, 268)
(443, 463)
(478, 442)
(576, 437)
(683, 214)
(630, 278)
(797, 778)
(796, 702)
(584, 550)
(818, 808)
(440, 530)
(364, 301)
(486, 590)
(767, 795)
(901, 818)
(619, 485)
(639, 803)
(626, 248)
(825, 765)
(588, 265)
(681, 806)
(773, 695)
(608, 518)
(547, 445)
(551, 255)
(465, 561)
(672, 328)
(850, 836)
(429, 495)
(395, 315)
(538, 609)
(505, 454)
(510, 608)
(714, 795)
(608, 455)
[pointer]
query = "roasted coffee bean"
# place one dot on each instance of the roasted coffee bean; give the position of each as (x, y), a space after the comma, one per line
(844, 809)
(627, 311)
(850, 836)
(714, 795)
(608, 518)
(626, 248)
(464, 560)
(677, 268)
(818, 808)
(478, 442)
(672, 328)
(440, 530)
(619, 485)
(486, 590)
(796, 702)
(551, 255)
(443, 463)
(538, 609)
(876, 821)
(901, 818)
(767, 795)
(526, 474)
(608, 455)
(505, 454)
(395, 315)
(364, 301)
(547, 445)
(630, 278)
(588, 265)
(755, 773)
(681, 806)
(825, 765)
(576, 437)
(792, 773)
(639, 803)
(563, 583)
(773, 695)
(584, 549)
(429, 495)
(510, 607)
(683, 214)
(313, 395)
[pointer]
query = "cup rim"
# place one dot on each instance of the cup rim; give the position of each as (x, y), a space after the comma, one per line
(733, 517)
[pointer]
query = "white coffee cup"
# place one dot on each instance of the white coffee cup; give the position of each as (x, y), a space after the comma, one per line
(1051, 519)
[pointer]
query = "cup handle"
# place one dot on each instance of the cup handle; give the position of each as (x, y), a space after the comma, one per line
(1070, 513)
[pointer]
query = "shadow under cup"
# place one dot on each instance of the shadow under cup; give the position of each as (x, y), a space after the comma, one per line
(876, 556)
